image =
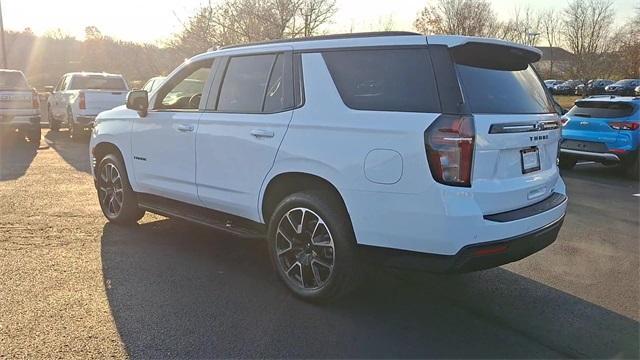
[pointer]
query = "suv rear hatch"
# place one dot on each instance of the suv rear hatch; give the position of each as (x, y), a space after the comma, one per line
(516, 130)
(595, 125)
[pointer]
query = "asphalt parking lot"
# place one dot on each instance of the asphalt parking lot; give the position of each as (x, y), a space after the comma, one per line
(72, 285)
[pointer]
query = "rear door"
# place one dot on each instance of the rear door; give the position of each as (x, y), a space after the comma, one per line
(517, 130)
(239, 135)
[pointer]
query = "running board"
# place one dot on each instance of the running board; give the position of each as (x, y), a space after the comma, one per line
(200, 215)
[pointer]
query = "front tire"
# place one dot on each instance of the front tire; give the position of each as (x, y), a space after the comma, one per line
(53, 123)
(313, 247)
(117, 199)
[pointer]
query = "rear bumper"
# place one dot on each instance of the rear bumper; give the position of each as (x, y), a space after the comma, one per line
(85, 121)
(19, 122)
(592, 156)
(470, 258)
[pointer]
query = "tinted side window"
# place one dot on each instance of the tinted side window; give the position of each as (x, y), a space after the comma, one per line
(245, 82)
(279, 94)
(384, 79)
(184, 90)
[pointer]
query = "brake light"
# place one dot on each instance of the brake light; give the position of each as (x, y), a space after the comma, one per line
(35, 100)
(82, 101)
(625, 125)
(564, 120)
(449, 143)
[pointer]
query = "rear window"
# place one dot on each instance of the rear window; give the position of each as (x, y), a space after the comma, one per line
(97, 83)
(498, 91)
(384, 80)
(13, 81)
(602, 109)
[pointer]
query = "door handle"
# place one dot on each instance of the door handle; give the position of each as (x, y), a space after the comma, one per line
(185, 128)
(260, 133)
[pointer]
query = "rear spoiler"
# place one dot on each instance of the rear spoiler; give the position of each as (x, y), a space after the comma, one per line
(488, 53)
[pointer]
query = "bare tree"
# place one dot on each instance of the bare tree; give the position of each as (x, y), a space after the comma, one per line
(587, 28)
(523, 27)
(241, 21)
(550, 28)
(459, 17)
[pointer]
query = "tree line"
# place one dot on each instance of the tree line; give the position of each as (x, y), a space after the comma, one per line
(601, 49)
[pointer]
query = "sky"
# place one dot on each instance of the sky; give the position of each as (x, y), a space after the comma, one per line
(156, 20)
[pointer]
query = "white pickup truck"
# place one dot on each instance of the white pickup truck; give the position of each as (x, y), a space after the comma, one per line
(80, 97)
(19, 107)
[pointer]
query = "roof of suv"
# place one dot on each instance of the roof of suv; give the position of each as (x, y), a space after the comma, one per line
(367, 40)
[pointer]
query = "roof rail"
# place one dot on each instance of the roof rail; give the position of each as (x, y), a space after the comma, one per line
(325, 37)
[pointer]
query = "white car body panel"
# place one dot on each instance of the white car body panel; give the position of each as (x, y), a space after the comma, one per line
(392, 199)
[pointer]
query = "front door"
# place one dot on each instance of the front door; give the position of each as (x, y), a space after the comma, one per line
(163, 142)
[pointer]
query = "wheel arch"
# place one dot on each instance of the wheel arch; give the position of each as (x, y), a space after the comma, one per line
(288, 183)
(103, 149)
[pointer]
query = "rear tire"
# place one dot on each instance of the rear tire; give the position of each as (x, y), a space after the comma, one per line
(34, 136)
(117, 199)
(313, 247)
(567, 163)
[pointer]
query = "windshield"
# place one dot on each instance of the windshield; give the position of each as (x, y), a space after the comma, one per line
(504, 91)
(97, 82)
(13, 81)
(602, 109)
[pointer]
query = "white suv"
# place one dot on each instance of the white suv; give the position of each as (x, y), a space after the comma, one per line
(435, 152)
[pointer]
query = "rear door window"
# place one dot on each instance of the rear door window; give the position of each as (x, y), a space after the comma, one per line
(385, 79)
(245, 84)
(602, 109)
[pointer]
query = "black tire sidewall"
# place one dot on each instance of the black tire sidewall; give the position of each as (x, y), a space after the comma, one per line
(336, 218)
(130, 212)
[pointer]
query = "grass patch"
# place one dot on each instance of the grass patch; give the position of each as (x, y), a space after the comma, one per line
(567, 101)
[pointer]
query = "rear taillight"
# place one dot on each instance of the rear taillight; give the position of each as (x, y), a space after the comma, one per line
(35, 100)
(564, 120)
(625, 125)
(82, 101)
(449, 143)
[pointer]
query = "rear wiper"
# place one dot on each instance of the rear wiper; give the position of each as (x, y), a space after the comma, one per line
(582, 115)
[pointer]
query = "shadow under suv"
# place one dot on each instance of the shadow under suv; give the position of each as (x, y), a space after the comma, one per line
(435, 152)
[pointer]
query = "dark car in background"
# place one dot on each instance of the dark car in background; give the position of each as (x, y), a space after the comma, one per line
(593, 87)
(551, 83)
(567, 88)
(624, 87)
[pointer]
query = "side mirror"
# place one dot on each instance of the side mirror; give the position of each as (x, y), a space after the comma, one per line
(138, 100)
(48, 89)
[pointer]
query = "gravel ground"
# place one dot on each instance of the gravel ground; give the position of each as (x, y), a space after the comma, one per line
(72, 285)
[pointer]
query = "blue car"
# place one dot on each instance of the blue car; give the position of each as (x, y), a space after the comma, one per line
(604, 129)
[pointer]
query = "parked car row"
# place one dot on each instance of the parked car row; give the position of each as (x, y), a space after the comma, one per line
(300, 142)
(625, 87)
